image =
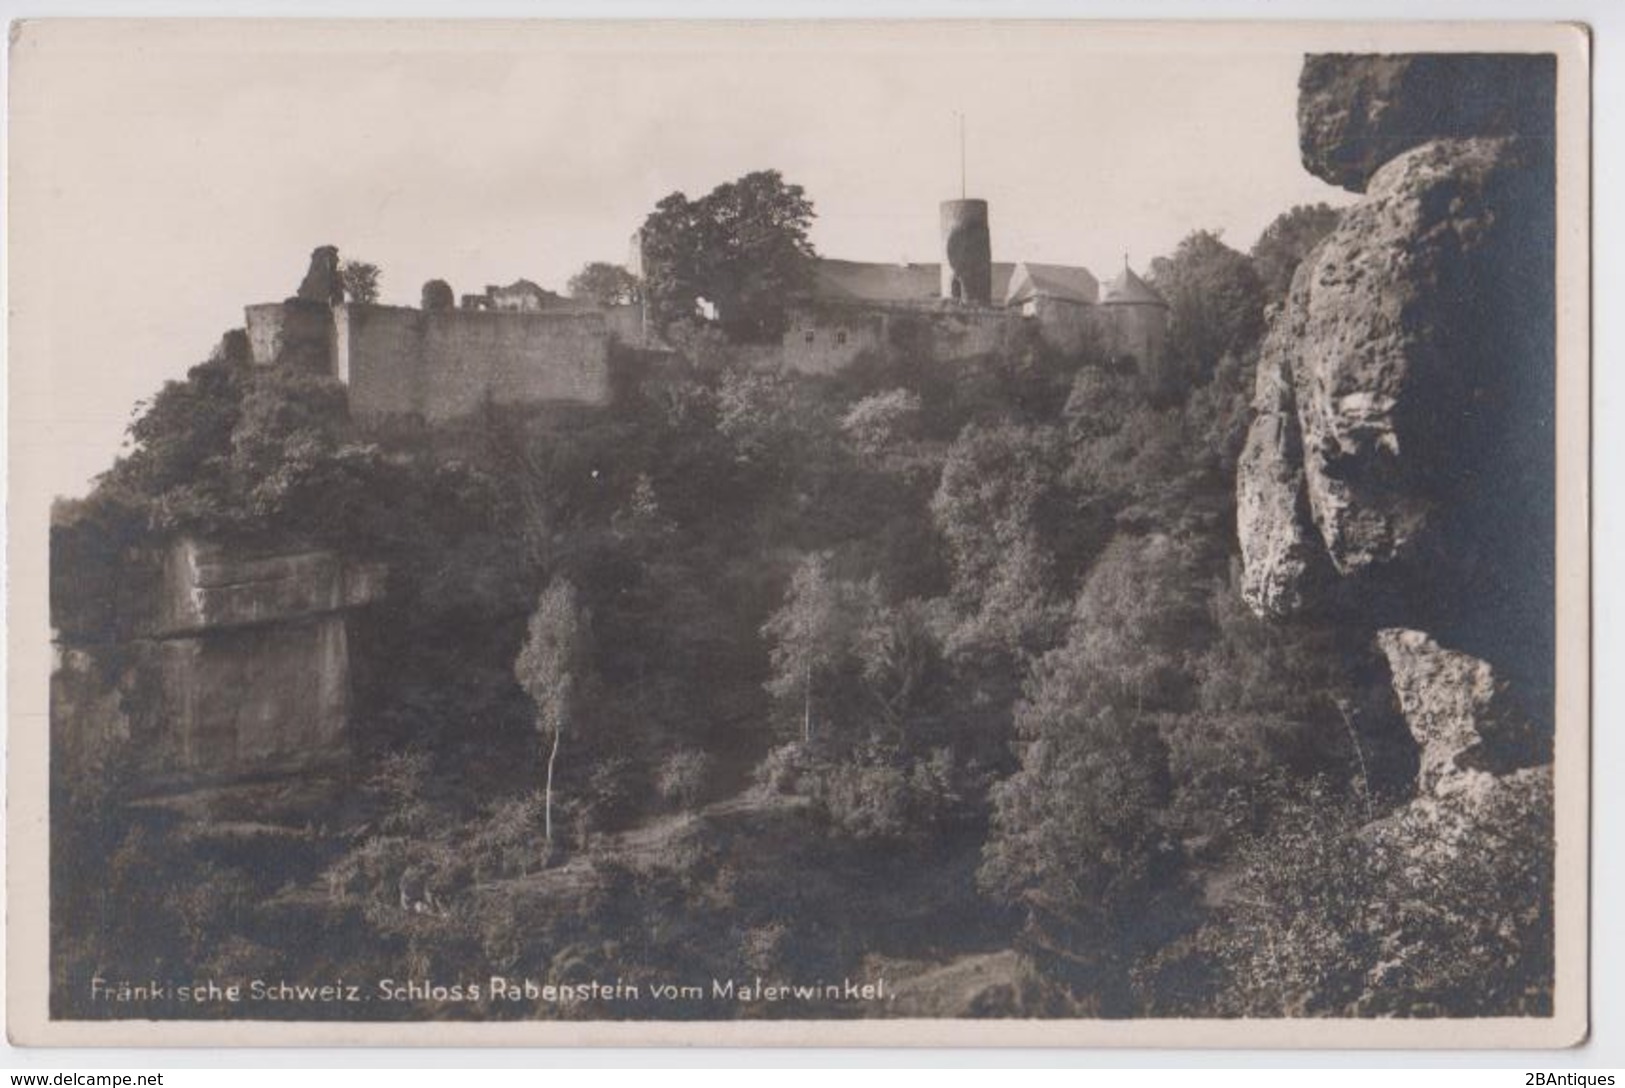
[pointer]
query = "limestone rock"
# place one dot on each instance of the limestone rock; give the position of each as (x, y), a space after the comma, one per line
(210, 586)
(1356, 112)
(1392, 308)
(1466, 725)
(1278, 545)
(254, 698)
(1417, 341)
(217, 661)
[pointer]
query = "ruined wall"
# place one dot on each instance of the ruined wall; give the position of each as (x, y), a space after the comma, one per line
(445, 364)
(276, 327)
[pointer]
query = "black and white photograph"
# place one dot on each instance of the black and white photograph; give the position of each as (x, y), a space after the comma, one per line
(945, 532)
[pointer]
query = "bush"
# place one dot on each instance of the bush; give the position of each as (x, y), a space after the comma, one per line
(685, 777)
(509, 842)
(1442, 909)
(784, 769)
(879, 795)
(876, 423)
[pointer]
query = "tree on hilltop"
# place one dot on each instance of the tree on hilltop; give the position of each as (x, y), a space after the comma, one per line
(742, 247)
(1287, 241)
(360, 279)
(605, 284)
(437, 295)
(1215, 301)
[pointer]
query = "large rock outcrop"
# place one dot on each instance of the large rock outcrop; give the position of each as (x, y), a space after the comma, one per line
(1280, 551)
(1398, 479)
(217, 661)
(1357, 112)
(1465, 722)
(1400, 466)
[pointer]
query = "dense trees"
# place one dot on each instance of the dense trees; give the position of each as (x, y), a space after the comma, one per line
(1216, 304)
(605, 285)
(742, 247)
(1287, 241)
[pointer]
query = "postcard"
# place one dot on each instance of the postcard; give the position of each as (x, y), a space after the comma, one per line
(805, 533)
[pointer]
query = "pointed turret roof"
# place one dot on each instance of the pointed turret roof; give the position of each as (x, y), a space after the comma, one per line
(1130, 290)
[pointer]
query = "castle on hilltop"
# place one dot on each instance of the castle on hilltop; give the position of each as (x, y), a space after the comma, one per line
(522, 344)
(970, 304)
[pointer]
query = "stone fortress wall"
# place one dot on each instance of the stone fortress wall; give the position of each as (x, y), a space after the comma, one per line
(442, 364)
(825, 337)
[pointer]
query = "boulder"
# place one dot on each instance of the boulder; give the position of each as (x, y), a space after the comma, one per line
(1356, 112)
(1415, 355)
(1467, 726)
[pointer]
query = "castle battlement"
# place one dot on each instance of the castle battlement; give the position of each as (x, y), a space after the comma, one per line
(440, 364)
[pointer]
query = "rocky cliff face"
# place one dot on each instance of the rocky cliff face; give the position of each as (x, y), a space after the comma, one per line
(1399, 471)
(227, 661)
(1358, 112)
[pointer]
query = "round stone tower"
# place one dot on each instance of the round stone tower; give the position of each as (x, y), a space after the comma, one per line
(967, 252)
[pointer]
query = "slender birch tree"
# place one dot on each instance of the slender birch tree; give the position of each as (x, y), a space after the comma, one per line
(550, 667)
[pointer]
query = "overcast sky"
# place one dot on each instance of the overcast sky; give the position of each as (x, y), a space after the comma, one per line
(164, 177)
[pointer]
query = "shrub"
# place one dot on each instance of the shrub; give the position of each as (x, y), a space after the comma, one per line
(784, 768)
(880, 795)
(685, 776)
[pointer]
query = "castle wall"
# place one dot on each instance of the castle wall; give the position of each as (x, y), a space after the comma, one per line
(275, 327)
(513, 358)
(823, 338)
(378, 354)
(824, 341)
(444, 364)
(1065, 325)
(626, 323)
(965, 332)
(1138, 330)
